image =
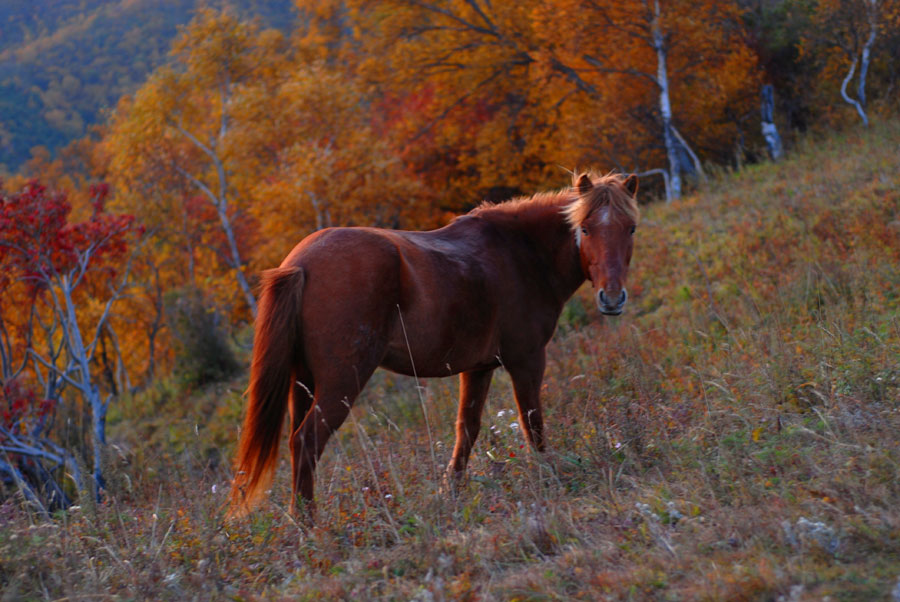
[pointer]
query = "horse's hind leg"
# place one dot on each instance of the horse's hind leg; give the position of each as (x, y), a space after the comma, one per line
(301, 401)
(473, 389)
(331, 406)
(302, 396)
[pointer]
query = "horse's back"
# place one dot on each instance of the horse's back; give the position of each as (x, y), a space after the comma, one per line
(424, 302)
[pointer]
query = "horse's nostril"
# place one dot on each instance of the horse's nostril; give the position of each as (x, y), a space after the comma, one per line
(604, 300)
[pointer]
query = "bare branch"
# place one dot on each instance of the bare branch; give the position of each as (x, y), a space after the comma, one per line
(121, 369)
(442, 11)
(27, 492)
(115, 295)
(600, 67)
(637, 32)
(658, 172)
(27, 446)
(196, 141)
(196, 182)
(481, 14)
(455, 104)
(223, 125)
(7, 371)
(689, 150)
(64, 375)
(576, 79)
(89, 351)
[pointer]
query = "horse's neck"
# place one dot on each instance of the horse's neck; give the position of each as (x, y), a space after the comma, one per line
(548, 233)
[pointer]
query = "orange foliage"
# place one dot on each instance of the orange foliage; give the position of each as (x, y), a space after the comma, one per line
(490, 98)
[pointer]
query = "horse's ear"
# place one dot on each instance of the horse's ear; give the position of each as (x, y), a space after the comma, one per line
(631, 184)
(583, 184)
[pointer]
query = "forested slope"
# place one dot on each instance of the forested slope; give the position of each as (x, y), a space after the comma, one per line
(63, 63)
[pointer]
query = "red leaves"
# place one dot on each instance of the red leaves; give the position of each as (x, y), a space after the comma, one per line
(99, 192)
(22, 407)
(37, 241)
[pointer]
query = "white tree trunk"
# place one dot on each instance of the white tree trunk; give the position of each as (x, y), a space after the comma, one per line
(78, 369)
(236, 262)
(79, 355)
(872, 14)
(220, 202)
(665, 105)
(852, 101)
(865, 57)
(769, 130)
(698, 167)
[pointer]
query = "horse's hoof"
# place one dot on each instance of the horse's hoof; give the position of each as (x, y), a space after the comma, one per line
(453, 482)
(303, 512)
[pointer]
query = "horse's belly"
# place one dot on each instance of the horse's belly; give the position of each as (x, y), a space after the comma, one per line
(407, 368)
(437, 358)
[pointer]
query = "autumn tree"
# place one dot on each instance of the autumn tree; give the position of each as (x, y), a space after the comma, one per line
(270, 141)
(466, 95)
(70, 275)
(329, 166)
(846, 32)
(318, 143)
(510, 91)
(178, 140)
(690, 58)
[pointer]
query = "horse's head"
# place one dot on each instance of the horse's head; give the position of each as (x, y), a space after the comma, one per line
(604, 217)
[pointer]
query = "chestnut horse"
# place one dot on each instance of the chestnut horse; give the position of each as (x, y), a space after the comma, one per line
(484, 291)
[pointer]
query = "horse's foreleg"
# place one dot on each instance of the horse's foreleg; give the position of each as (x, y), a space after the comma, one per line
(473, 389)
(527, 377)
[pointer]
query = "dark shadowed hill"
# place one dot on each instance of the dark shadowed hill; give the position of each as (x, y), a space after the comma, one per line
(62, 62)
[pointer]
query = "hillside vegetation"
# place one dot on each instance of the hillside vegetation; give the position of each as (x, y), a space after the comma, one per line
(732, 436)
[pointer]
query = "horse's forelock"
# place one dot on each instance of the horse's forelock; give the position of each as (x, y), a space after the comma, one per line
(607, 191)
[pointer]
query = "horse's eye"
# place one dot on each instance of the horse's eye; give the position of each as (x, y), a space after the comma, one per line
(632, 230)
(584, 231)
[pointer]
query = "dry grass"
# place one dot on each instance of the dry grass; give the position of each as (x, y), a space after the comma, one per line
(733, 436)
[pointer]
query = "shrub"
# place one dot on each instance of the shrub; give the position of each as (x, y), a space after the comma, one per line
(203, 354)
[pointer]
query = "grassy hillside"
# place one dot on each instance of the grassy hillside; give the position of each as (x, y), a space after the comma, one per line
(63, 62)
(732, 436)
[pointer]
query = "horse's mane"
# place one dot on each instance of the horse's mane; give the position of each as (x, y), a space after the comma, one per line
(574, 205)
(518, 205)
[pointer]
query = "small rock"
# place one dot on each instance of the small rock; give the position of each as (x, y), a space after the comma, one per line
(674, 514)
(820, 533)
(793, 594)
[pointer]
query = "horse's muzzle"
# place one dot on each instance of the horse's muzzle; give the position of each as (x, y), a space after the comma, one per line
(608, 308)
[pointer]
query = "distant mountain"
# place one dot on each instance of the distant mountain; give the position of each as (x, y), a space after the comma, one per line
(63, 62)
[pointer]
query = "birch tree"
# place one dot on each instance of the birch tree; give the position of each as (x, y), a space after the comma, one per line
(849, 28)
(182, 130)
(690, 54)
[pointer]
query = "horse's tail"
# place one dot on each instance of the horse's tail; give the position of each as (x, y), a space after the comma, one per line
(276, 349)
